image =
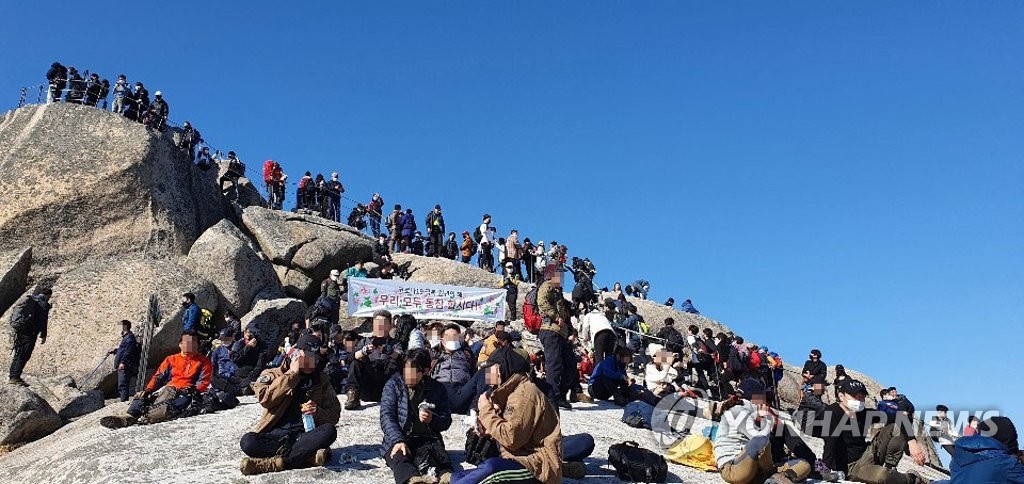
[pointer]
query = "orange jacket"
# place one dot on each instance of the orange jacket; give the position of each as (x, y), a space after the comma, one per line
(181, 371)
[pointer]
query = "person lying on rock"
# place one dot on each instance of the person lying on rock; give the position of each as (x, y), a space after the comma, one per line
(375, 360)
(755, 446)
(174, 391)
(413, 412)
(300, 413)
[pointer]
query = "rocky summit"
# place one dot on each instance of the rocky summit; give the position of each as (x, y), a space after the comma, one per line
(110, 213)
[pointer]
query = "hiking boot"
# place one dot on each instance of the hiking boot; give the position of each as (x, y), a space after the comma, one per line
(118, 421)
(831, 476)
(422, 480)
(446, 478)
(352, 399)
(564, 404)
(574, 470)
(321, 457)
(17, 381)
(255, 465)
(580, 397)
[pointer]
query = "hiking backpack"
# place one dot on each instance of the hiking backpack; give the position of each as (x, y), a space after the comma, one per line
(24, 314)
(477, 235)
(205, 328)
(531, 318)
(635, 464)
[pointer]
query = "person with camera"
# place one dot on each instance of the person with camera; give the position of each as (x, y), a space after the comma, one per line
(179, 380)
(300, 412)
(374, 361)
(414, 411)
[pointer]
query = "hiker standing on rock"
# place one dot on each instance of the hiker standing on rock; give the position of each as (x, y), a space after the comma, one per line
(57, 77)
(560, 361)
(375, 209)
(126, 360)
(394, 228)
(29, 320)
(436, 230)
(300, 413)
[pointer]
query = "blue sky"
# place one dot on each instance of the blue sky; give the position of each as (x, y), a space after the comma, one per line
(841, 175)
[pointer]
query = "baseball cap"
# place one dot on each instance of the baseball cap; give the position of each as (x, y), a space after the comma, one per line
(853, 387)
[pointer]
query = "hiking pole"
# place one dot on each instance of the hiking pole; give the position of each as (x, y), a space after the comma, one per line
(93, 372)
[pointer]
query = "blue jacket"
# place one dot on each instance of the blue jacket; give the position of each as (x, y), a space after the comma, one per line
(190, 317)
(888, 406)
(394, 410)
(687, 307)
(983, 460)
(408, 225)
(609, 367)
(223, 365)
(127, 352)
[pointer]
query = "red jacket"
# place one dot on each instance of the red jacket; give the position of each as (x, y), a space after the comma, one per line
(181, 371)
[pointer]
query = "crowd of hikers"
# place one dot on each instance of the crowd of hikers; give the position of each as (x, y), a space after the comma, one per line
(594, 345)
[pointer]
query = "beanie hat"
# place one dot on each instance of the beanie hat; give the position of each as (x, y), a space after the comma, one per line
(1001, 429)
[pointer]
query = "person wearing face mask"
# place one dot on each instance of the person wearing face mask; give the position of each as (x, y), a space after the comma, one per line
(284, 438)
(126, 360)
(375, 360)
(179, 380)
(844, 427)
(453, 366)
(701, 359)
(414, 411)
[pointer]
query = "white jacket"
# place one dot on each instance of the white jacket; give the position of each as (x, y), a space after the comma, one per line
(595, 322)
(654, 377)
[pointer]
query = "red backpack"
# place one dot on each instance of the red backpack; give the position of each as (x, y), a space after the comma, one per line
(531, 318)
(268, 171)
(755, 360)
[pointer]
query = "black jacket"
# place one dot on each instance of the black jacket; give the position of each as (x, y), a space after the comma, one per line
(57, 75)
(431, 218)
(817, 369)
(31, 316)
(127, 352)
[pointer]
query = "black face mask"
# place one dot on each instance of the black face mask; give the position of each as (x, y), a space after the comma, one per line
(185, 304)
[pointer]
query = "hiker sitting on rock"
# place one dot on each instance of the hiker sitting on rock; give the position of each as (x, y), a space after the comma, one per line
(413, 412)
(453, 366)
(375, 360)
(126, 360)
(227, 375)
(751, 447)
(844, 427)
(381, 251)
(300, 413)
(177, 384)
(339, 360)
(28, 320)
(609, 381)
(524, 424)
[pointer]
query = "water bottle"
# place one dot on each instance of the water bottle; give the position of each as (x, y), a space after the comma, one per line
(307, 422)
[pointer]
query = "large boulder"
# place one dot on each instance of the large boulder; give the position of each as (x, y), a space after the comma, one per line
(273, 318)
(308, 243)
(24, 416)
(438, 270)
(14, 268)
(296, 283)
(61, 393)
(225, 256)
(81, 183)
(89, 301)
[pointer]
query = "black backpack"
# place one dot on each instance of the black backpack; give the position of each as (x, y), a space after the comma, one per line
(477, 235)
(634, 464)
(24, 315)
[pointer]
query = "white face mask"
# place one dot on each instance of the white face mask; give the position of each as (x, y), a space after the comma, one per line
(452, 345)
(691, 339)
(854, 405)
